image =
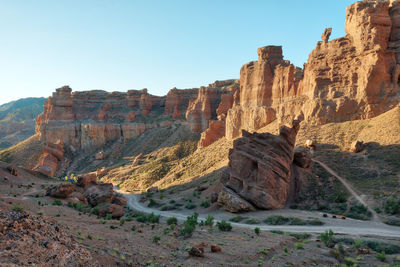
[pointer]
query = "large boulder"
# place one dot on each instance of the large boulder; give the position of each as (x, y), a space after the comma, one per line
(302, 158)
(115, 210)
(260, 164)
(101, 193)
(63, 190)
(86, 180)
(230, 201)
(357, 146)
(119, 201)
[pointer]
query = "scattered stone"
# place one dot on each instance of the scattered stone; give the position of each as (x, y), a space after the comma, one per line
(310, 144)
(30, 240)
(357, 146)
(153, 189)
(302, 158)
(232, 202)
(137, 160)
(215, 248)
(63, 190)
(97, 194)
(12, 170)
(100, 156)
(117, 211)
(86, 180)
(119, 201)
(201, 188)
(214, 197)
(197, 250)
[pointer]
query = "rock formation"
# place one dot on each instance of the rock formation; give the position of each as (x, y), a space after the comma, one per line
(177, 101)
(204, 108)
(352, 77)
(263, 84)
(51, 156)
(259, 168)
(207, 113)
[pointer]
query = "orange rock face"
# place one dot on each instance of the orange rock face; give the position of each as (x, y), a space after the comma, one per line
(51, 156)
(177, 101)
(204, 108)
(260, 164)
(353, 77)
(263, 84)
(85, 120)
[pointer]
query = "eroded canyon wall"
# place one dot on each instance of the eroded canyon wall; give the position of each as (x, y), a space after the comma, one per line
(352, 77)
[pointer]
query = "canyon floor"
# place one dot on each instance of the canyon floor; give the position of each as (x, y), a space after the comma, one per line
(128, 242)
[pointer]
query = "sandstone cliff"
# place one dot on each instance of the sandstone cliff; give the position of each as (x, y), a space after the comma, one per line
(260, 164)
(353, 77)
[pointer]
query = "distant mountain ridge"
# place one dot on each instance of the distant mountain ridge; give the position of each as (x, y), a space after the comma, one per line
(17, 119)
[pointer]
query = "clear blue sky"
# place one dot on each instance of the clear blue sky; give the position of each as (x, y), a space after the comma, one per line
(119, 45)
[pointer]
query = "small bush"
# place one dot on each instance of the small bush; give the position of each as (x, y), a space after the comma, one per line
(251, 221)
(108, 216)
(209, 220)
(156, 239)
(299, 236)
(57, 202)
(327, 238)
(189, 225)
(205, 204)
(224, 226)
(257, 230)
(298, 245)
(121, 222)
(172, 220)
(190, 206)
(381, 256)
(18, 208)
(237, 218)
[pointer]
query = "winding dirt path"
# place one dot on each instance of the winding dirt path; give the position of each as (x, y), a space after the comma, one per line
(375, 216)
(350, 227)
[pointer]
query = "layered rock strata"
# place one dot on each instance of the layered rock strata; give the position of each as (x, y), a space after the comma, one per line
(352, 77)
(260, 167)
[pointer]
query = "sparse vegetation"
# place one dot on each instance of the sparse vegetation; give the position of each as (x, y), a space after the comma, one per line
(327, 239)
(172, 220)
(224, 226)
(57, 202)
(281, 220)
(18, 208)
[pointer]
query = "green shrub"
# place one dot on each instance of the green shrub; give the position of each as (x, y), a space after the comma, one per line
(108, 216)
(276, 220)
(156, 239)
(189, 225)
(151, 218)
(257, 230)
(209, 220)
(205, 204)
(237, 218)
(172, 220)
(300, 236)
(190, 206)
(381, 256)
(298, 245)
(327, 238)
(18, 208)
(57, 202)
(392, 206)
(251, 221)
(224, 226)
(121, 222)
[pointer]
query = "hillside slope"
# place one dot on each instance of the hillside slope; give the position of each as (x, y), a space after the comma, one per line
(17, 120)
